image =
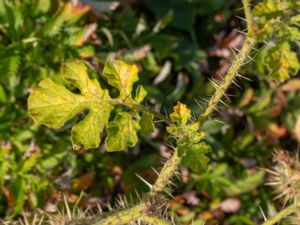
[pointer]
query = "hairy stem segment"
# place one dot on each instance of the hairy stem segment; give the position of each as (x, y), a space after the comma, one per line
(282, 214)
(248, 15)
(165, 174)
(238, 62)
(135, 213)
(125, 216)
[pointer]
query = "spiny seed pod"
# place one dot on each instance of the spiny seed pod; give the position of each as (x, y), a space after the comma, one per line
(285, 177)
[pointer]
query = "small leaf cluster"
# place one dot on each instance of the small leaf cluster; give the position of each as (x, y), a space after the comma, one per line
(189, 140)
(52, 104)
(278, 25)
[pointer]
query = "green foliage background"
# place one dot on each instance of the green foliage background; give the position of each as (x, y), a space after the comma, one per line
(175, 45)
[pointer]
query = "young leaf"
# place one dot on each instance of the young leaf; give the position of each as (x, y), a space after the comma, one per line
(282, 62)
(181, 114)
(146, 123)
(140, 94)
(122, 132)
(195, 157)
(53, 105)
(122, 76)
(268, 9)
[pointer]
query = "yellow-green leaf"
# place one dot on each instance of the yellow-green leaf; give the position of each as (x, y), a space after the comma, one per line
(181, 114)
(268, 9)
(195, 158)
(122, 76)
(53, 105)
(140, 94)
(282, 62)
(146, 123)
(122, 132)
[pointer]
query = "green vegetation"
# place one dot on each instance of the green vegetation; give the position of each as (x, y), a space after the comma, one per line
(140, 82)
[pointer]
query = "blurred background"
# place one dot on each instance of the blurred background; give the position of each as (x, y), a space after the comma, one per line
(179, 47)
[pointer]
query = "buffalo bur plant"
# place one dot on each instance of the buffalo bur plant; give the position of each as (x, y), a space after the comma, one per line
(274, 25)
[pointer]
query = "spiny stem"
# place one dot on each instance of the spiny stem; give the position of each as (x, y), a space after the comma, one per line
(155, 113)
(165, 174)
(248, 15)
(282, 214)
(136, 213)
(153, 220)
(124, 216)
(238, 62)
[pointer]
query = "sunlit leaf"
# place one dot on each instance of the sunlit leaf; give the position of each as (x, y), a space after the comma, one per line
(181, 114)
(140, 94)
(282, 62)
(122, 76)
(268, 9)
(122, 132)
(53, 105)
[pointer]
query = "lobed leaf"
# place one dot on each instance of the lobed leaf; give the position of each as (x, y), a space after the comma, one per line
(121, 76)
(122, 132)
(189, 139)
(181, 114)
(195, 158)
(282, 62)
(53, 105)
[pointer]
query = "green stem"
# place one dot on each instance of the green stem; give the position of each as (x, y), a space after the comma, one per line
(248, 15)
(155, 113)
(282, 214)
(136, 213)
(165, 174)
(124, 217)
(153, 220)
(238, 62)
